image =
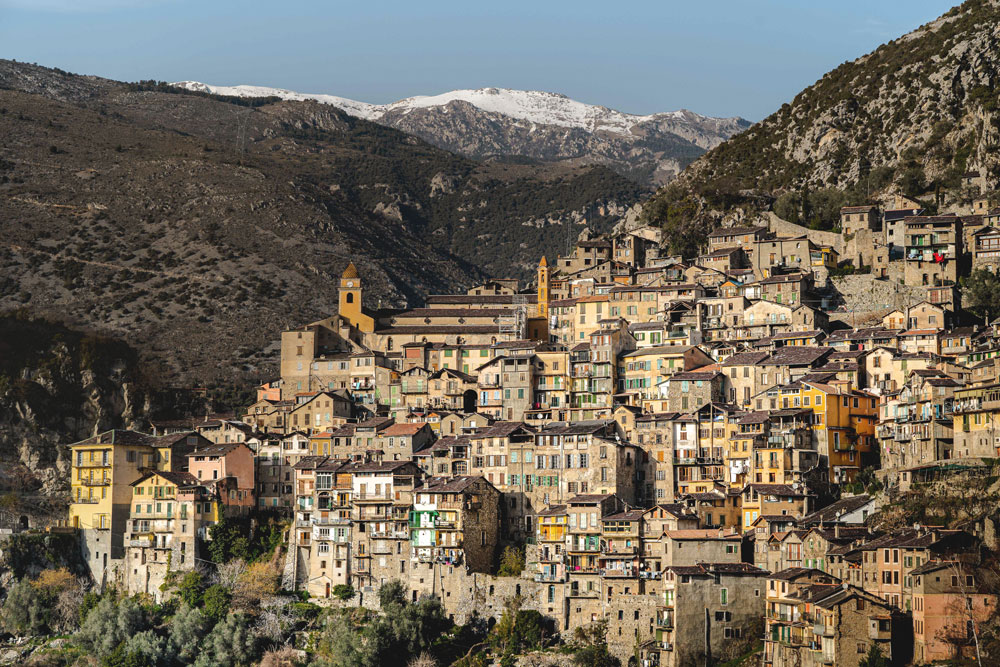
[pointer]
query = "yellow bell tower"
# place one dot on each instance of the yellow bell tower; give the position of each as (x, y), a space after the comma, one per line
(543, 288)
(350, 300)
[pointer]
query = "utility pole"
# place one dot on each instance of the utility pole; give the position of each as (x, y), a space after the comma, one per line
(242, 118)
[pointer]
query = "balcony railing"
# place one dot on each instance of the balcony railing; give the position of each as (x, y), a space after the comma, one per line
(822, 630)
(373, 497)
(94, 482)
(390, 534)
(628, 574)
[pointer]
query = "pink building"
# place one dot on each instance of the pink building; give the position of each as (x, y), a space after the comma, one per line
(232, 460)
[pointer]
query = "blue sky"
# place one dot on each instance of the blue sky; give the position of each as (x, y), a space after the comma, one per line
(717, 57)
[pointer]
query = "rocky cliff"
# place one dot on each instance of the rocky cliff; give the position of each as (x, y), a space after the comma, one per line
(58, 386)
(919, 115)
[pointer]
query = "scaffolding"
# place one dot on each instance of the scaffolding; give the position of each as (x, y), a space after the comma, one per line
(512, 322)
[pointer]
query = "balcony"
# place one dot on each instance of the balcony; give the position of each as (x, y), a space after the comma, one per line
(92, 464)
(575, 592)
(550, 577)
(618, 574)
(390, 534)
(144, 542)
(666, 621)
(822, 630)
(328, 521)
(373, 497)
(94, 482)
(85, 501)
(620, 551)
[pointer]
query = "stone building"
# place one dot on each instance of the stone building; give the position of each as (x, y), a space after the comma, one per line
(708, 613)
(455, 521)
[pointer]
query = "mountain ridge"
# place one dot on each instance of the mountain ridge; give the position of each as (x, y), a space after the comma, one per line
(501, 122)
(202, 226)
(517, 103)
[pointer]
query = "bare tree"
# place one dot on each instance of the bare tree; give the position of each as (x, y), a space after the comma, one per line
(229, 574)
(964, 631)
(275, 618)
(423, 660)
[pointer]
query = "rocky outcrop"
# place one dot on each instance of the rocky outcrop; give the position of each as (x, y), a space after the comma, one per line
(652, 151)
(58, 386)
(919, 115)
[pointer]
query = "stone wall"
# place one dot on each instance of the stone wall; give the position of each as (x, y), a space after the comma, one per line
(867, 299)
(785, 228)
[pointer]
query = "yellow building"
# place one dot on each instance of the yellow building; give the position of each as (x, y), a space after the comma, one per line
(102, 470)
(844, 420)
(553, 523)
(977, 421)
(590, 310)
(552, 386)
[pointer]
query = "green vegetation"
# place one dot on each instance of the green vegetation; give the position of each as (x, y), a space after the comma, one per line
(874, 658)
(343, 592)
(865, 482)
(517, 632)
(981, 293)
(230, 541)
(512, 561)
(403, 631)
(592, 646)
(26, 551)
(817, 209)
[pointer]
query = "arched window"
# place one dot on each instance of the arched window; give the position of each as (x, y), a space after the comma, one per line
(388, 344)
(350, 297)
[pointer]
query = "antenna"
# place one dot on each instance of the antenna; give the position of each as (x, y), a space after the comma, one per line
(242, 118)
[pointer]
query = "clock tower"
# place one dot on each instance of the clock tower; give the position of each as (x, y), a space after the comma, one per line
(350, 300)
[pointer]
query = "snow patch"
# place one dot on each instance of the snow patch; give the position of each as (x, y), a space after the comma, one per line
(532, 106)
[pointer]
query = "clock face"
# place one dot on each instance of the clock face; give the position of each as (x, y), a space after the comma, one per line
(350, 283)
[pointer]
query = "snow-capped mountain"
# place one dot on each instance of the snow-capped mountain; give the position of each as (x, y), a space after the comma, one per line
(503, 123)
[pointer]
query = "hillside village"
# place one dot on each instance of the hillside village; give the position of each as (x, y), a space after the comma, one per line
(701, 452)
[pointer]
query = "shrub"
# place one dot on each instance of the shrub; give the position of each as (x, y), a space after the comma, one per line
(110, 623)
(512, 561)
(230, 643)
(215, 602)
(343, 592)
(187, 628)
(23, 612)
